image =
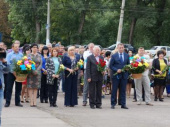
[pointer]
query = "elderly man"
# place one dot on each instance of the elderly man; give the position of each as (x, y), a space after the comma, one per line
(143, 81)
(11, 57)
(118, 61)
(86, 84)
(95, 79)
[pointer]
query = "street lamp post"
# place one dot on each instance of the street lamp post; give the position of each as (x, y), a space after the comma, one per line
(119, 35)
(48, 24)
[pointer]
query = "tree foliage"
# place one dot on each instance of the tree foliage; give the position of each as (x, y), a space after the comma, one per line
(4, 25)
(146, 22)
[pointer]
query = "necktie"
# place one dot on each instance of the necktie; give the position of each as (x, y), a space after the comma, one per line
(121, 58)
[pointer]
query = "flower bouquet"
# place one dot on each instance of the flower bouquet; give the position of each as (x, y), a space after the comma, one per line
(136, 67)
(101, 65)
(60, 55)
(22, 68)
(79, 65)
(61, 69)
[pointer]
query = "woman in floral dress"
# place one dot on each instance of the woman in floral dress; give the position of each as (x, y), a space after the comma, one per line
(34, 78)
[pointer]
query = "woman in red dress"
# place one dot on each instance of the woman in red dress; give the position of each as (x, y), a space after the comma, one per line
(24, 92)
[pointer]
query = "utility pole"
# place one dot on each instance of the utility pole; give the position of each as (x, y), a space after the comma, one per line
(119, 35)
(48, 24)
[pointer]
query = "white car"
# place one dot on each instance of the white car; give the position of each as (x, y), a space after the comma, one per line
(154, 50)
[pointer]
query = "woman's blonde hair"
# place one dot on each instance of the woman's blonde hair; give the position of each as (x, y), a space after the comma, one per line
(70, 48)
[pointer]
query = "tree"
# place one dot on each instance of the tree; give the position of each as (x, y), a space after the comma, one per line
(4, 25)
(28, 19)
(146, 22)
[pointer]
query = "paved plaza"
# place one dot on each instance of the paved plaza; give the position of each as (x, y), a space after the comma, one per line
(79, 116)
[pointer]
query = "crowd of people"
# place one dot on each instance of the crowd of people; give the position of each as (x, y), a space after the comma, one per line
(44, 82)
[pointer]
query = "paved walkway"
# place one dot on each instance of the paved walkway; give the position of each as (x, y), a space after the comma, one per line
(79, 116)
(29, 117)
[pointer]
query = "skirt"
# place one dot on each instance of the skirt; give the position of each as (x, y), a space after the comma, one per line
(160, 81)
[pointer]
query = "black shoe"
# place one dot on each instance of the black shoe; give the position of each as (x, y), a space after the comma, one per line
(119, 104)
(54, 105)
(51, 105)
(71, 105)
(19, 105)
(92, 107)
(27, 101)
(124, 107)
(155, 99)
(41, 101)
(99, 107)
(161, 100)
(84, 103)
(6, 105)
(46, 101)
(112, 107)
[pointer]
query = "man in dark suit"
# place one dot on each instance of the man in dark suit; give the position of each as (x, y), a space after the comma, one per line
(95, 79)
(118, 61)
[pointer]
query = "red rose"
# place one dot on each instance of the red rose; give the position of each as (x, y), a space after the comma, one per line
(135, 65)
(102, 64)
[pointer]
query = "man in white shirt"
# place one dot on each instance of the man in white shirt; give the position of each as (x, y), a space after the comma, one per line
(86, 84)
(145, 81)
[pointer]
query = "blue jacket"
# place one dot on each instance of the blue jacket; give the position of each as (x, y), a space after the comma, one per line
(116, 64)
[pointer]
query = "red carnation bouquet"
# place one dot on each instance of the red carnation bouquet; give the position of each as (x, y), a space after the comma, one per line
(101, 65)
(60, 54)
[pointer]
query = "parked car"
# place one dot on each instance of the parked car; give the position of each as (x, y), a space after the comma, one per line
(127, 46)
(154, 50)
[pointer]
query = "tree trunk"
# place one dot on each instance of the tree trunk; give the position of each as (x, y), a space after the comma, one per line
(161, 5)
(82, 20)
(133, 24)
(132, 28)
(38, 29)
(37, 23)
